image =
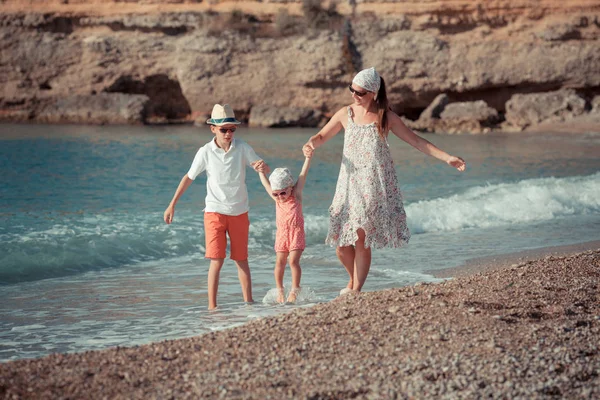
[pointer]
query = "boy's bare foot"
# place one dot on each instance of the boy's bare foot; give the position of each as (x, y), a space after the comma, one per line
(280, 295)
(293, 295)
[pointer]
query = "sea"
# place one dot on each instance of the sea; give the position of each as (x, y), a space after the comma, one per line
(87, 263)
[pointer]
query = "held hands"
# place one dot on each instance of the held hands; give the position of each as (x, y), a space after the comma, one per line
(308, 149)
(457, 163)
(261, 166)
(169, 214)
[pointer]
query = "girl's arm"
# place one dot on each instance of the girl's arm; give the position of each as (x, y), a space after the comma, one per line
(332, 128)
(399, 129)
(265, 182)
(302, 179)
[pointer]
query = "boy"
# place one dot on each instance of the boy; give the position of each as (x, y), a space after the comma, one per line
(224, 159)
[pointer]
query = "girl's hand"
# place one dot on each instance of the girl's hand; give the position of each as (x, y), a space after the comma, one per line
(457, 163)
(308, 149)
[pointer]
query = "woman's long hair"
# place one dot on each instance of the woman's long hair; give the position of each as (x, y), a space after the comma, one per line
(382, 109)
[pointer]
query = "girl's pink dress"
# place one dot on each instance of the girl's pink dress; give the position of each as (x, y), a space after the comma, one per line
(290, 225)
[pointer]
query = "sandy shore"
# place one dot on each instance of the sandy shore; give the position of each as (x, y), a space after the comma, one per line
(527, 331)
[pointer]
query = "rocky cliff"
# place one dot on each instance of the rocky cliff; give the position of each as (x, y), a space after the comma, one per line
(498, 64)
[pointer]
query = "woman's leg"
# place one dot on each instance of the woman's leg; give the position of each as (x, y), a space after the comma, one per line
(346, 256)
(362, 261)
(280, 262)
(296, 274)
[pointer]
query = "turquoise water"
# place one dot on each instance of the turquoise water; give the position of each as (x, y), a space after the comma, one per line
(86, 261)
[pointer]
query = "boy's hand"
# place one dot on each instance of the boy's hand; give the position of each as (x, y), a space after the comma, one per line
(169, 214)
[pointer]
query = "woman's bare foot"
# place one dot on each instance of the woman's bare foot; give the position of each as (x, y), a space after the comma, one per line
(346, 291)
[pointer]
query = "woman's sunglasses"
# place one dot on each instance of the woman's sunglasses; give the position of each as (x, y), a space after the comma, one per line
(225, 130)
(356, 92)
(280, 193)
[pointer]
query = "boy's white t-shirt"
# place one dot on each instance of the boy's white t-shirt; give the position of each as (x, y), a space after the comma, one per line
(226, 191)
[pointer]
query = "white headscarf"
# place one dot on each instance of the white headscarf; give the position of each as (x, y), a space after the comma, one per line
(368, 79)
(281, 178)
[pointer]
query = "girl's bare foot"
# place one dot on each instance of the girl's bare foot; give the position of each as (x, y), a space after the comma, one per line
(280, 295)
(293, 295)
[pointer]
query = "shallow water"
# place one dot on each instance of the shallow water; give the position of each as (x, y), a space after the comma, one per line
(86, 261)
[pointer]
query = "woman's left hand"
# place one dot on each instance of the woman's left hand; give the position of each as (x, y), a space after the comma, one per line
(457, 163)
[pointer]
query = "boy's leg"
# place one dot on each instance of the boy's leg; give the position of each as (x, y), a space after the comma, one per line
(238, 228)
(280, 262)
(216, 242)
(245, 280)
(214, 272)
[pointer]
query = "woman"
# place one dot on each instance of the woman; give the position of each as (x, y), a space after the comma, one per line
(367, 209)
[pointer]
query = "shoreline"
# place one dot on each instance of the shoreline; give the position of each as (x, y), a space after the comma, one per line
(526, 330)
(510, 260)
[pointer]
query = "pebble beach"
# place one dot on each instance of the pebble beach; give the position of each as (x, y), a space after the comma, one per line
(528, 330)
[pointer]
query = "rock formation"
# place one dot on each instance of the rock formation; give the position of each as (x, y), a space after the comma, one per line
(185, 56)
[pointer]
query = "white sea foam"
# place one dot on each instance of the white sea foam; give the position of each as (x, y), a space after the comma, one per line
(76, 244)
(527, 201)
(305, 295)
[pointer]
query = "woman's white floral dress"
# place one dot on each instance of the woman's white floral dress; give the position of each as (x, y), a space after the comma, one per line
(367, 194)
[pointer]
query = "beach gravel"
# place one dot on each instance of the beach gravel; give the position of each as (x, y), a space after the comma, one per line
(531, 330)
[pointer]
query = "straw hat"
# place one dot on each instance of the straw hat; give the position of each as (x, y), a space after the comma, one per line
(222, 115)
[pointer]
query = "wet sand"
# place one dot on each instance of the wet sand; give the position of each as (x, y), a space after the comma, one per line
(530, 330)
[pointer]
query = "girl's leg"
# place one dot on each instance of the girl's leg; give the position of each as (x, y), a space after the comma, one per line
(280, 263)
(346, 256)
(245, 280)
(213, 281)
(362, 261)
(296, 274)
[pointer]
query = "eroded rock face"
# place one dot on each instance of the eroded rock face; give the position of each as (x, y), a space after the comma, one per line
(279, 117)
(524, 110)
(475, 110)
(103, 108)
(184, 62)
(596, 104)
(435, 109)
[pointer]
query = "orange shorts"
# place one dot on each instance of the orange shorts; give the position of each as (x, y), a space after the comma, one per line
(216, 226)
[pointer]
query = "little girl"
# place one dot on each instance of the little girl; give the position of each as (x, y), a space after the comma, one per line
(290, 238)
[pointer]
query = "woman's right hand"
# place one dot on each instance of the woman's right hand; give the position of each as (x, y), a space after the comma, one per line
(169, 214)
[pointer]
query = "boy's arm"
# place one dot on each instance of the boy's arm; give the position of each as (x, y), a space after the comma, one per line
(265, 182)
(302, 178)
(170, 211)
(198, 166)
(254, 161)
